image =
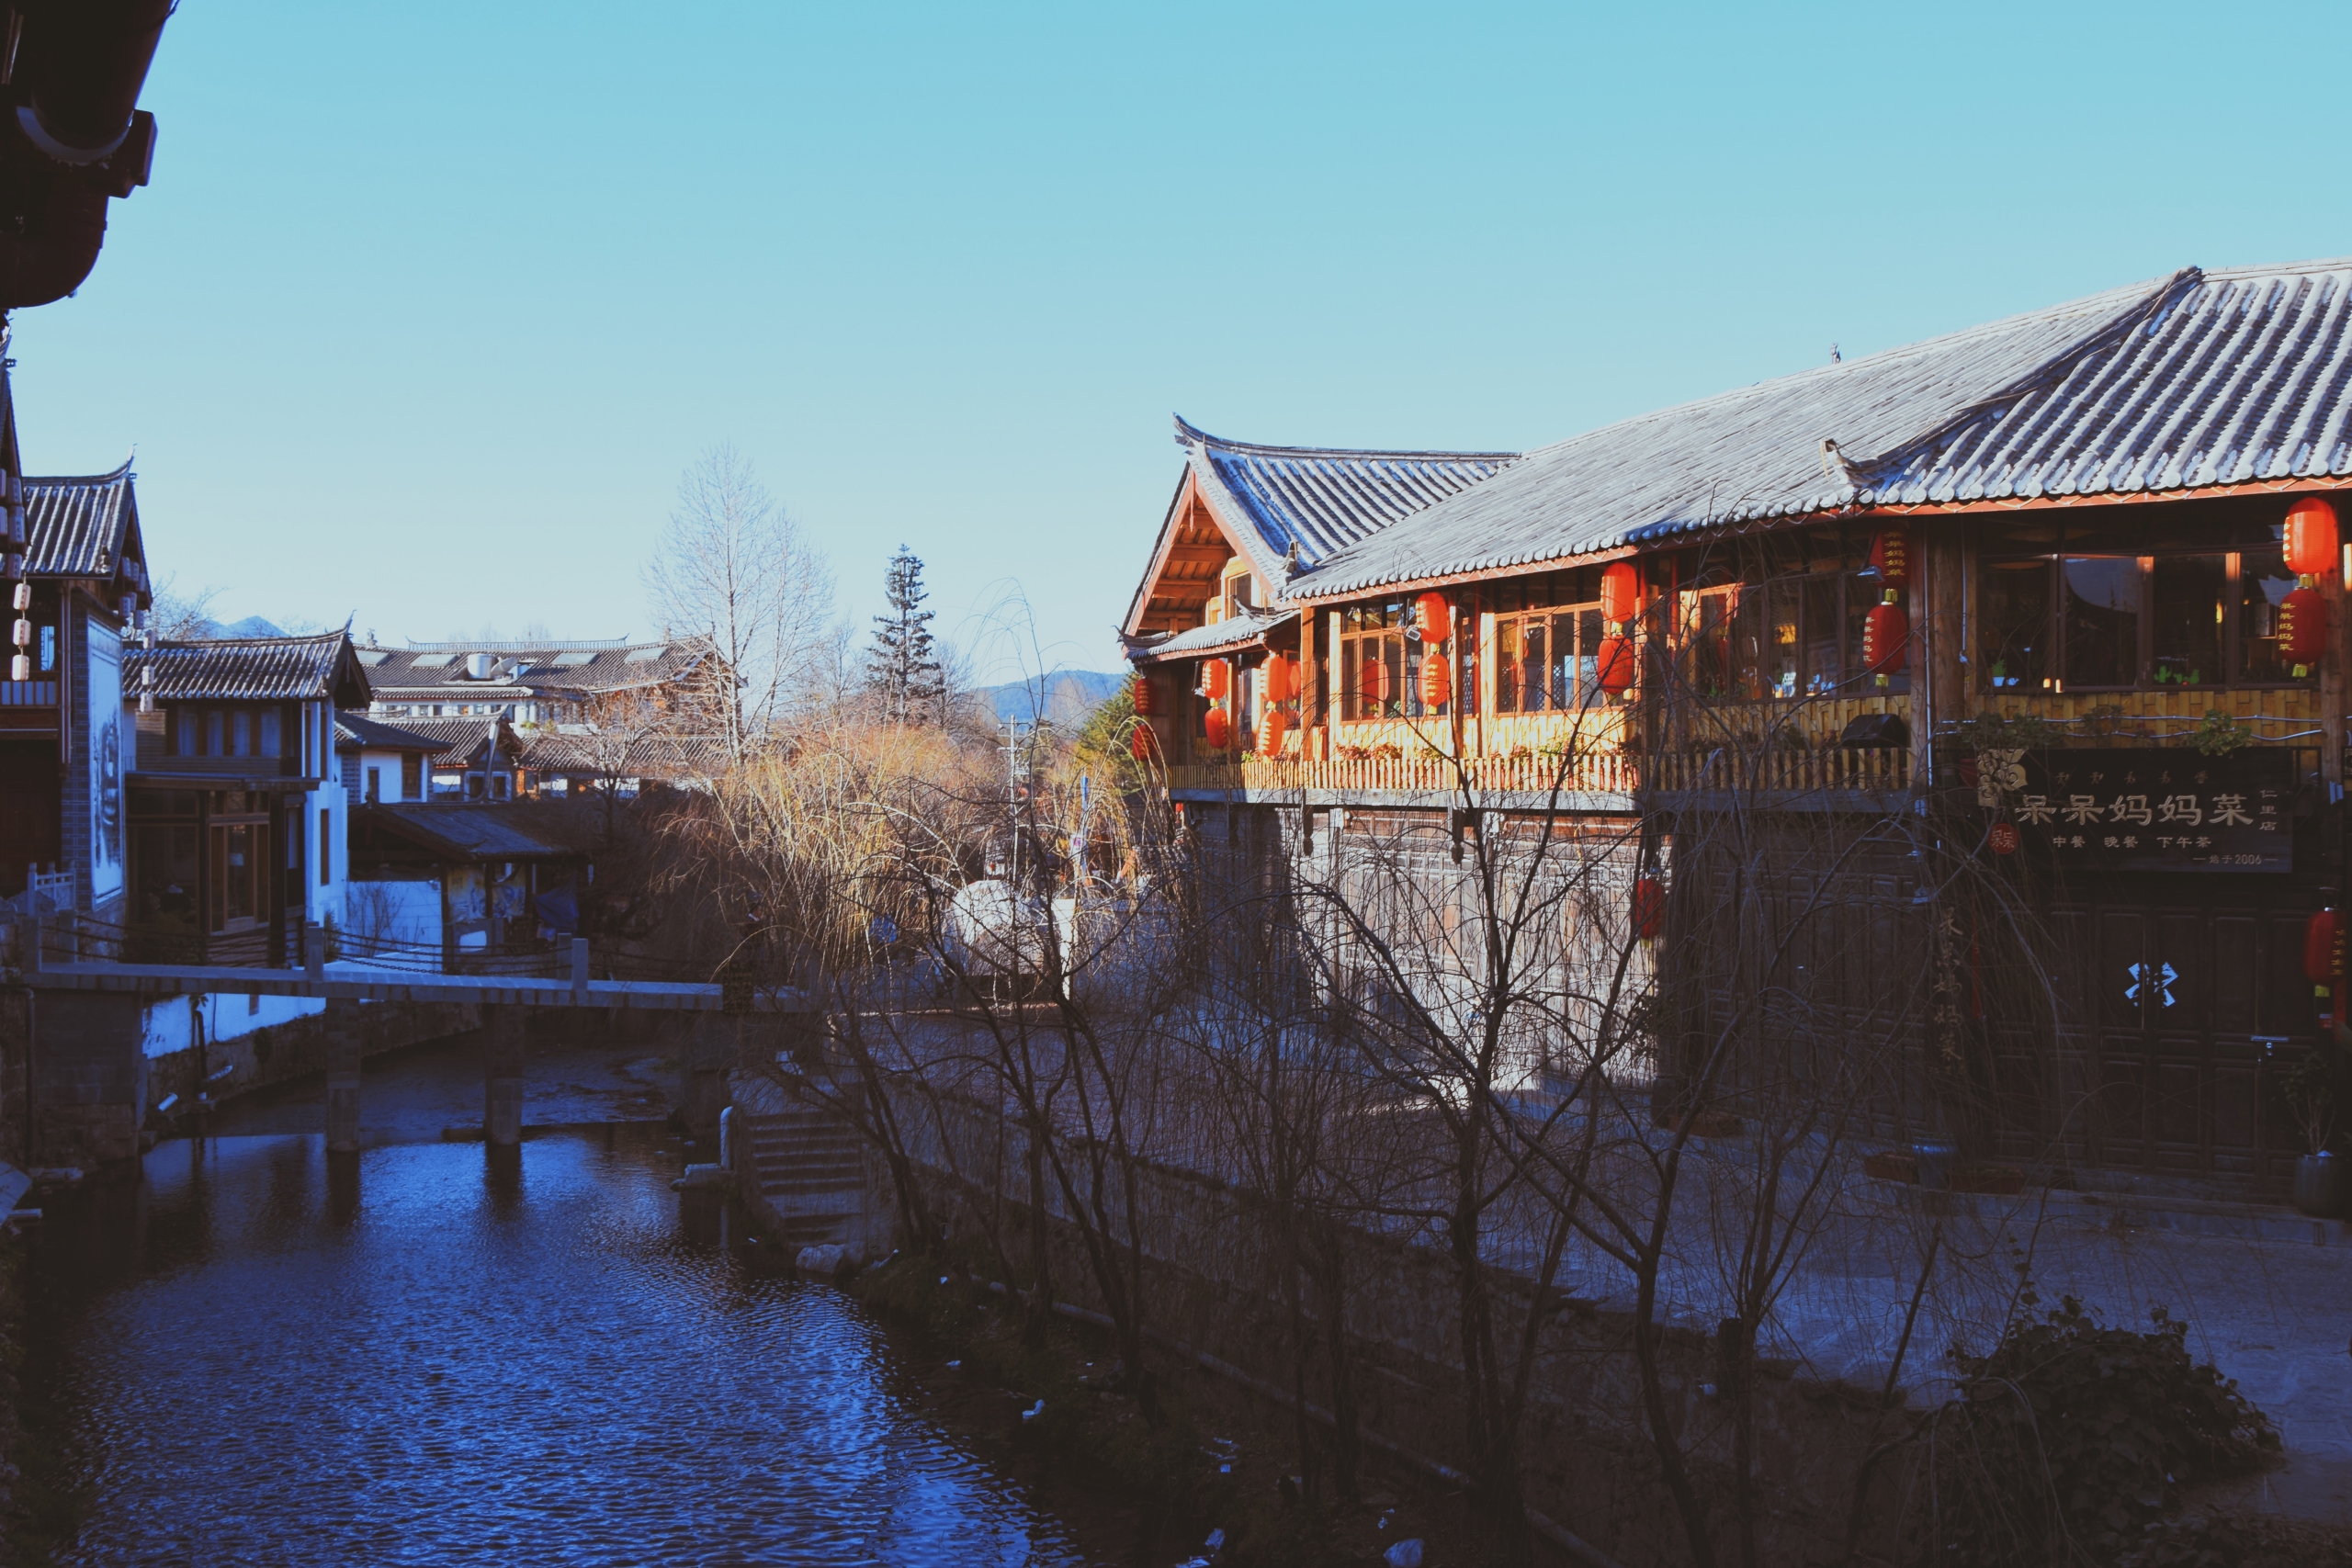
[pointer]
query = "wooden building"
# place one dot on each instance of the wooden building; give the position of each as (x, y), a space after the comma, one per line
(62, 744)
(236, 808)
(2078, 669)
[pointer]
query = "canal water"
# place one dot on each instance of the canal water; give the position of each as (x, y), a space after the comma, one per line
(435, 1353)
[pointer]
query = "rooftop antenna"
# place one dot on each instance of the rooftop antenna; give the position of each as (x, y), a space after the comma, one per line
(1836, 357)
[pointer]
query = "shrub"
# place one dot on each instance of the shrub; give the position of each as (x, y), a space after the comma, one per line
(2067, 1441)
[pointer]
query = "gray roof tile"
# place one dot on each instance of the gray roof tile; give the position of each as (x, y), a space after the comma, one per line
(80, 526)
(251, 669)
(1754, 453)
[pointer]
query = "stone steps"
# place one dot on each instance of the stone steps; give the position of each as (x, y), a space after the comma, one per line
(804, 1154)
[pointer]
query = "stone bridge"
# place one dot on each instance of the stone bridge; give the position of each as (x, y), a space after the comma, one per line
(85, 1031)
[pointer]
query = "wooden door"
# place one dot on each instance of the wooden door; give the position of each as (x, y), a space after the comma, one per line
(2174, 1004)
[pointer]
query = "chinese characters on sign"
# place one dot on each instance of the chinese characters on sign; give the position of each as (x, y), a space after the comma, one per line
(2154, 810)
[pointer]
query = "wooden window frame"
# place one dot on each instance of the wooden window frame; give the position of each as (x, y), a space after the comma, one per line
(2233, 623)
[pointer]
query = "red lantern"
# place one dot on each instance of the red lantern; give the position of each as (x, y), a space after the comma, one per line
(1437, 680)
(1272, 725)
(1217, 679)
(1143, 696)
(1615, 664)
(1621, 590)
(2303, 629)
(1141, 743)
(2323, 957)
(1886, 640)
(1372, 683)
(1277, 678)
(1891, 557)
(2311, 538)
(1434, 617)
(2003, 838)
(1218, 729)
(1649, 908)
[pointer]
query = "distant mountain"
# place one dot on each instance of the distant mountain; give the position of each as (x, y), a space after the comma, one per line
(1070, 696)
(252, 625)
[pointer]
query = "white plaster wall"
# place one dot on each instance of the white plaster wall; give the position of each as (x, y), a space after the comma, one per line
(406, 912)
(319, 902)
(389, 763)
(224, 1017)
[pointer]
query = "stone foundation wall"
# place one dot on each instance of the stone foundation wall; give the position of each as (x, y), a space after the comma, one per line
(294, 1049)
(1212, 1285)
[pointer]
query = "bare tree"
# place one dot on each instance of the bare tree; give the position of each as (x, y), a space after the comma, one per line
(184, 615)
(734, 574)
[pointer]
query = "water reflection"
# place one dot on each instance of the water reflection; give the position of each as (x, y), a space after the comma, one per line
(438, 1354)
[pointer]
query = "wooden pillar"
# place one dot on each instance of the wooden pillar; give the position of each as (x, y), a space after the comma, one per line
(342, 1021)
(1939, 689)
(1310, 685)
(502, 1039)
(2332, 665)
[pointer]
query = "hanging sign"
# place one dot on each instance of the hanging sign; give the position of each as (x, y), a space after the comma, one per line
(2152, 810)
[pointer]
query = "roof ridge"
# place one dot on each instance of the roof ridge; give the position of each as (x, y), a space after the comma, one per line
(107, 477)
(1188, 434)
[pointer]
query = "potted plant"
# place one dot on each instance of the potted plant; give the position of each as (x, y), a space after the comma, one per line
(2309, 1088)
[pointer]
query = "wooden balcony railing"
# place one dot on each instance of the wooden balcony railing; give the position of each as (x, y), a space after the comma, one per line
(1603, 773)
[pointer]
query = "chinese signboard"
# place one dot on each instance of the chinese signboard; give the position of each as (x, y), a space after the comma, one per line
(2150, 810)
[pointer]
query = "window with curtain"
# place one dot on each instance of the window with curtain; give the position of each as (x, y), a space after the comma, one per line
(2263, 584)
(1373, 666)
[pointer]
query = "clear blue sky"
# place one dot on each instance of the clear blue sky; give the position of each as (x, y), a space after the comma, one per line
(428, 306)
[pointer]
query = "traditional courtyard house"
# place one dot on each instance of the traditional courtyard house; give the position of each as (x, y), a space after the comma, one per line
(236, 811)
(381, 762)
(527, 684)
(450, 879)
(2060, 598)
(64, 746)
(474, 759)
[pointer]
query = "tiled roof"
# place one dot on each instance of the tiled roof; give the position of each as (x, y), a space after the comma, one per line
(460, 739)
(2230, 376)
(518, 670)
(648, 756)
(2197, 381)
(249, 669)
(81, 527)
(1749, 454)
(353, 731)
(1238, 631)
(1321, 499)
(463, 831)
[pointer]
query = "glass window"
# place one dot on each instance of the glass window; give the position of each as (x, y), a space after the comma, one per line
(269, 738)
(1750, 656)
(1589, 633)
(2263, 584)
(1824, 666)
(243, 731)
(1708, 621)
(1777, 666)
(184, 732)
(2101, 620)
(48, 649)
(1536, 665)
(214, 729)
(412, 776)
(2015, 654)
(2186, 619)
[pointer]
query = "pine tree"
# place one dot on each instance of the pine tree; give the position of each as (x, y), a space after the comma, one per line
(902, 668)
